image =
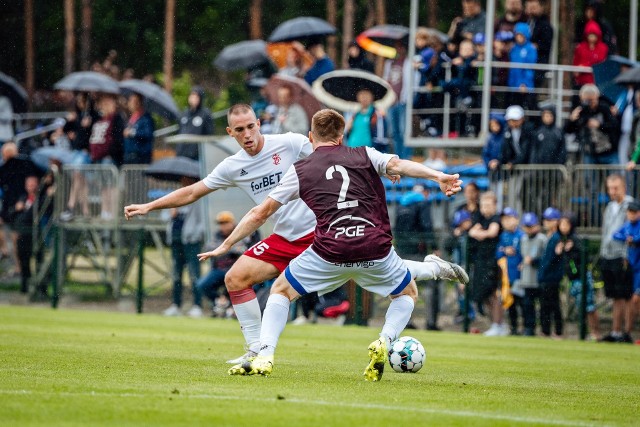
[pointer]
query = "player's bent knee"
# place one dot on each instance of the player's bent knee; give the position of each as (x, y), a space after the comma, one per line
(411, 290)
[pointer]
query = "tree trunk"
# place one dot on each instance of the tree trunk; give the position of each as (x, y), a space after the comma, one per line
(567, 24)
(85, 35)
(370, 19)
(381, 19)
(347, 30)
(332, 13)
(432, 20)
(29, 76)
(69, 36)
(169, 43)
(255, 20)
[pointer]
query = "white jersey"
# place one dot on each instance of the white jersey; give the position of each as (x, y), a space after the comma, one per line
(258, 175)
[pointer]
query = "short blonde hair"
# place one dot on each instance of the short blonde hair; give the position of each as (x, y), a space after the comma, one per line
(489, 195)
(327, 125)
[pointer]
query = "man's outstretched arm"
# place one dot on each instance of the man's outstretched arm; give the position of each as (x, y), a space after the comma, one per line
(449, 184)
(249, 223)
(180, 197)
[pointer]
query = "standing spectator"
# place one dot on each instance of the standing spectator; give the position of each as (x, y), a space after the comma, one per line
(211, 284)
(635, 136)
(471, 22)
(492, 151)
(522, 79)
(515, 151)
(502, 44)
(569, 248)
(457, 245)
(593, 12)
(513, 14)
(463, 76)
(138, 135)
(589, 52)
(484, 270)
(396, 72)
(13, 174)
(625, 108)
(550, 274)
(322, 65)
(531, 249)
(358, 59)
(471, 204)
(6, 120)
(79, 127)
(547, 148)
(367, 126)
(196, 120)
(290, 116)
(630, 234)
(106, 146)
(615, 274)
(509, 248)
(185, 233)
(541, 34)
(595, 128)
(22, 221)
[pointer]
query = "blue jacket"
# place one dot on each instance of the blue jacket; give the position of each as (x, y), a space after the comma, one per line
(493, 148)
(511, 238)
(320, 67)
(140, 140)
(631, 229)
(551, 269)
(525, 53)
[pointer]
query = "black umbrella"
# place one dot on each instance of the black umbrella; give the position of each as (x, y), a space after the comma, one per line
(303, 27)
(338, 89)
(88, 81)
(630, 77)
(10, 88)
(156, 99)
(242, 55)
(173, 169)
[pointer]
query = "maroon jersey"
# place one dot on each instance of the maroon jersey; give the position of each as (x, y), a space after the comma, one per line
(343, 189)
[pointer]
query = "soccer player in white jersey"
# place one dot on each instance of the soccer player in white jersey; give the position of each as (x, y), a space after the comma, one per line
(257, 169)
(352, 239)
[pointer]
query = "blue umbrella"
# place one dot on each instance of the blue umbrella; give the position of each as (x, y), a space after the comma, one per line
(605, 72)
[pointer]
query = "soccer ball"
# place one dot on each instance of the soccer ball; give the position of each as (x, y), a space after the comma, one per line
(407, 355)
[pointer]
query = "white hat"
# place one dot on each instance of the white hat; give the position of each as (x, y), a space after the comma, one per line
(514, 112)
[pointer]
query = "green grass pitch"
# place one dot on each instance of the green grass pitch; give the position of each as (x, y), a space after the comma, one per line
(86, 368)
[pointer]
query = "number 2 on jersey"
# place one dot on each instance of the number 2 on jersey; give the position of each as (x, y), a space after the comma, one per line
(342, 197)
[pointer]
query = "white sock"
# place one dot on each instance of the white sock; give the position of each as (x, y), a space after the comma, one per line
(397, 317)
(421, 270)
(275, 318)
(249, 317)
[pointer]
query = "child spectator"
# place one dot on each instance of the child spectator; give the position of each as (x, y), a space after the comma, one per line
(589, 52)
(484, 270)
(630, 233)
(531, 248)
(493, 149)
(457, 245)
(522, 79)
(509, 248)
(569, 248)
(550, 274)
(185, 233)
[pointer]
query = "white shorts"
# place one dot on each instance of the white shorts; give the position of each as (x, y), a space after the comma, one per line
(310, 273)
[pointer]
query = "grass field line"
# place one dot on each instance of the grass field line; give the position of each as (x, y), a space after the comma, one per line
(348, 405)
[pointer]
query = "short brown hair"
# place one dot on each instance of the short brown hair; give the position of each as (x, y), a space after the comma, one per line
(327, 125)
(238, 109)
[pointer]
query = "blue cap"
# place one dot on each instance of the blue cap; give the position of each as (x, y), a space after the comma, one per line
(478, 38)
(529, 219)
(551, 214)
(504, 36)
(460, 216)
(510, 212)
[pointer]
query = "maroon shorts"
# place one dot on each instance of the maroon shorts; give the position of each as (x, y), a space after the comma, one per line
(278, 251)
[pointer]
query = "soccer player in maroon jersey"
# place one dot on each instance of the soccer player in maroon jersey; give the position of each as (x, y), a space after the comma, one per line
(352, 239)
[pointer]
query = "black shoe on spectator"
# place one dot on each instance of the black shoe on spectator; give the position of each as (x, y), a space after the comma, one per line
(432, 327)
(611, 338)
(626, 338)
(410, 325)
